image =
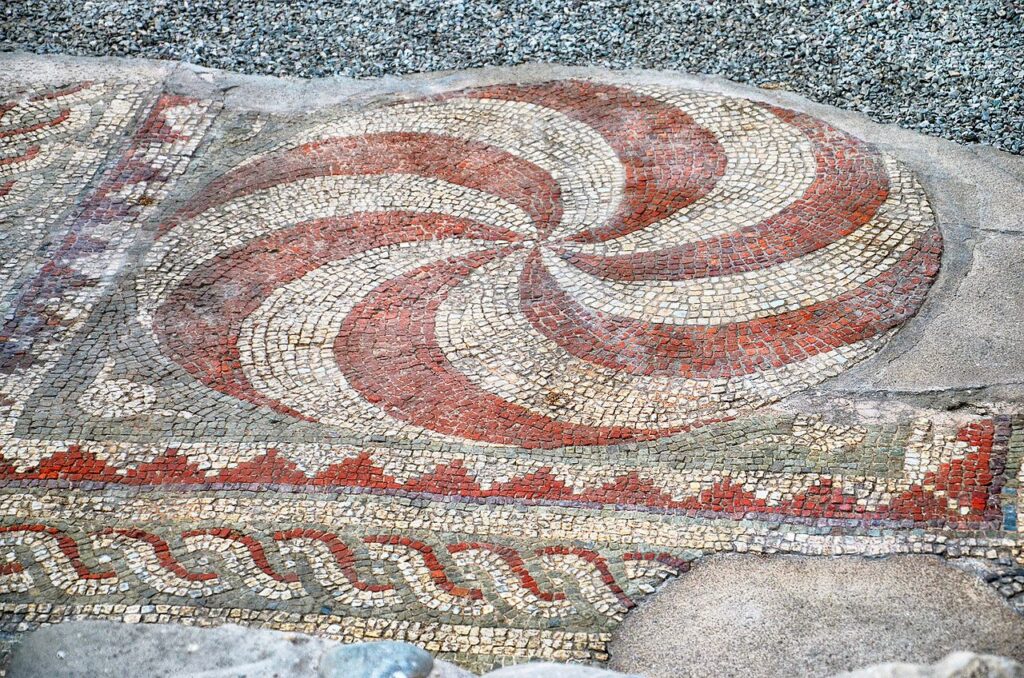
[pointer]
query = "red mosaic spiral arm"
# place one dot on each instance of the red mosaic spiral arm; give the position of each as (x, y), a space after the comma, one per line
(654, 327)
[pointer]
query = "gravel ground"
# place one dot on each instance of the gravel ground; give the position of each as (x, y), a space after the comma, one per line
(949, 68)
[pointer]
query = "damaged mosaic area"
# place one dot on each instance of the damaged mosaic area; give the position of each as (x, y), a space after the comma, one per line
(477, 369)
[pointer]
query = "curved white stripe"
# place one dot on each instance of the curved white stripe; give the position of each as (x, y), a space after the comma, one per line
(770, 165)
(585, 166)
(418, 577)
(839, 267)
(484, 335)
(286, 347)
(247, 218)
(14, 195)
(42, 158)
(79, 105)
(330, 575)
(507, 586)
(142, 559)
(78, 115)
(240, 562)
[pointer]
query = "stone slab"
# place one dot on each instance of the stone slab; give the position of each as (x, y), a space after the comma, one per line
(90, 649)
(776, 617)
(97, 648)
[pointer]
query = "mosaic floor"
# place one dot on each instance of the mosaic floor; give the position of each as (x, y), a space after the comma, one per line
(477, 369)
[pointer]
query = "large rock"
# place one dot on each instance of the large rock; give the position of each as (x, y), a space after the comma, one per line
(97, 648)
(90, 649)
(385, 659)
(956, 665)
(75, 649)
(786, 616)
(550, 670)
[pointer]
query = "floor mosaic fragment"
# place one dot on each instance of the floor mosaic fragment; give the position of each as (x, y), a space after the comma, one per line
(476, 369)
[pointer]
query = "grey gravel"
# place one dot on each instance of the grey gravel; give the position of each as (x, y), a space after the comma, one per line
(952, 68)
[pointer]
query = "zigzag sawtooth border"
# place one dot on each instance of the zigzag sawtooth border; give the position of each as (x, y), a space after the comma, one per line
(961, 492)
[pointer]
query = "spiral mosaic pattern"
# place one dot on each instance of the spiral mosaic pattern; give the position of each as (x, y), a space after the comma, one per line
(567, 263)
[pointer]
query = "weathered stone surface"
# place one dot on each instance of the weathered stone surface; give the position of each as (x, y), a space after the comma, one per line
(86, 649)
(552, 670)
(956, 665)
(973, 340)
(97, 648)
(384, 659)
(443, 669)
(82, 649)
(787, 616)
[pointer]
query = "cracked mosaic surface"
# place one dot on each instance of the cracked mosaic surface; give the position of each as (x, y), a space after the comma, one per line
(476, 370)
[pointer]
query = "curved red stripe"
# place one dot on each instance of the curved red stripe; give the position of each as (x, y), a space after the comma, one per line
(515, 563)
(251, 544)
(850, 185)
(163, 553)
(733, 349)
(669, 160)
(599, 563)
(680, 565)
(30, 153)
(430, 559)
(388, 351)
(343, 555)
(63, 91)
(67, 545)
(28, 129)
(198, 323)
(458, 161)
